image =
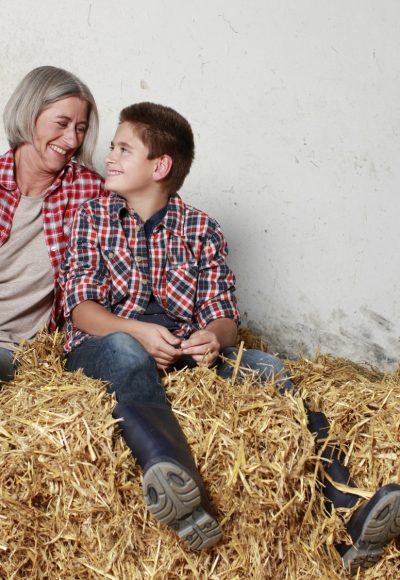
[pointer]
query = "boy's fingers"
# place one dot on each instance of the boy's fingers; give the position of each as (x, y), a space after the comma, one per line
(198, 347)
(165, 351)
(194, 341)
(162, 365)
(206, 359)
(161, 359)
(165, 361)
(169, 337)
(195, 350)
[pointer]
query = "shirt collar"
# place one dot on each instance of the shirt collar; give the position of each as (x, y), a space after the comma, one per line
(174, 218)
(172, 221)
(116, 205)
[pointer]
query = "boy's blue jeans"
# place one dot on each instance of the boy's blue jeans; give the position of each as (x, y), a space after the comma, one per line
(120, 359)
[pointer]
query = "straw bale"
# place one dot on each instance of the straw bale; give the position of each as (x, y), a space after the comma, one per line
(70, 493)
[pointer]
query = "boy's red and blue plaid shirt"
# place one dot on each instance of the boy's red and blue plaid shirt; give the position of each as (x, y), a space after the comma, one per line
(74, 185)
(183, 263)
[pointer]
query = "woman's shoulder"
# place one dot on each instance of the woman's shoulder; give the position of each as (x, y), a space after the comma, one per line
(7, 178)
(7, 159)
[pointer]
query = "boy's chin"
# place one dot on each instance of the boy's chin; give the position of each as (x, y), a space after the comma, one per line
(108, 183)
(110, 186)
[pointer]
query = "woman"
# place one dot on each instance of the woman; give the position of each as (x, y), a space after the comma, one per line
(51, 123)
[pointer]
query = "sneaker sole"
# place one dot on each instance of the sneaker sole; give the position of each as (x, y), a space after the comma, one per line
(381, 525)
(174, 498)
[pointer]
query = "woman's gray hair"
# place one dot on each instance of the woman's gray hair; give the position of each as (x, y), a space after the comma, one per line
(37, 90)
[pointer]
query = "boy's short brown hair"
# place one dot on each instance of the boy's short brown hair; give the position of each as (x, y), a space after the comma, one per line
(164, 132)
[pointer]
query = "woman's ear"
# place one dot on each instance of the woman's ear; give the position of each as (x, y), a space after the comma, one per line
(163, 167)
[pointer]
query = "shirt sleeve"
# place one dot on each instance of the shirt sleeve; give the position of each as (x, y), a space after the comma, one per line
(216, 282)
(84, 275)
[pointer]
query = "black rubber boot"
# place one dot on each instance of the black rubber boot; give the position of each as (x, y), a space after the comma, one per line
(173, 489)
(371, 527)
(332, 464)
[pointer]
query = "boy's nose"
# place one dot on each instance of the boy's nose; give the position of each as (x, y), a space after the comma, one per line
(109, 158)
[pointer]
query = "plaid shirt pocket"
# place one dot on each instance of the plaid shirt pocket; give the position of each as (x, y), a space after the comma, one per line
(181, 288)
(119, 264)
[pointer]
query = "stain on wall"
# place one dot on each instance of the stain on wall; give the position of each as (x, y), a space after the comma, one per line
(371, 340)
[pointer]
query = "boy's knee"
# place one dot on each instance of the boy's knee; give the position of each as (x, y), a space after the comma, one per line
(125, 349)
(131, 370)
(264, 364)
(269, 367)
(117, 341)
(7, 365)
(261, 360)
(123, 344)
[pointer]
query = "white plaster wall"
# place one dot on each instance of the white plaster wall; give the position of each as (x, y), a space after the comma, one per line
(296, 111)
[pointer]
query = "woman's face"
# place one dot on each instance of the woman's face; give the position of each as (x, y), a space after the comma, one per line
(59, 132)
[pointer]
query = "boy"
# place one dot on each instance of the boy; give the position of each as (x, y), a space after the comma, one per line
(147, 288)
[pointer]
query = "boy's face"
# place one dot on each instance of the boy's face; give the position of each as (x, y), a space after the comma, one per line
(128, 169)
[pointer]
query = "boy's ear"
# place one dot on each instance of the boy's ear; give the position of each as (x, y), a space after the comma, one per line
(163, 167)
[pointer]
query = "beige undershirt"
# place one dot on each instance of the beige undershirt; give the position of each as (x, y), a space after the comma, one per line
(26, 276)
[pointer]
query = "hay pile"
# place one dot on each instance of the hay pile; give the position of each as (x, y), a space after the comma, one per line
(70, 495)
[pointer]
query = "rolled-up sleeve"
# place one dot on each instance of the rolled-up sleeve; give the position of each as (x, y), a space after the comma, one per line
(84, 275)
(216, 282)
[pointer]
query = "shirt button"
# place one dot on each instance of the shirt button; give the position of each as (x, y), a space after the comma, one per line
(111, 255)
(138, 259)
(145, 280)
(53, 248)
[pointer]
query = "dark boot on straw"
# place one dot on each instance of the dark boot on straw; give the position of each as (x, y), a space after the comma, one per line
(173, 489)
(333, 466)
(372, 525)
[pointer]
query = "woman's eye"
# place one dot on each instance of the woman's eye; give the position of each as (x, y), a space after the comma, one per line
(63, 125)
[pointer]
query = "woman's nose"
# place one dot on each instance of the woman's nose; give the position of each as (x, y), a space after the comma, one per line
(71, 138)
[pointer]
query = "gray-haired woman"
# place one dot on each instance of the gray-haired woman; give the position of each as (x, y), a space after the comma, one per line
(51, 123)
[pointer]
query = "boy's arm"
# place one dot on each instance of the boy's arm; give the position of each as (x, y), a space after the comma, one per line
(94, 319)
(216, 310)
(86, 285)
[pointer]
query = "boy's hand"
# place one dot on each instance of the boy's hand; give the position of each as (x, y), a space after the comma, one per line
(163, 346)
(203, 346)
